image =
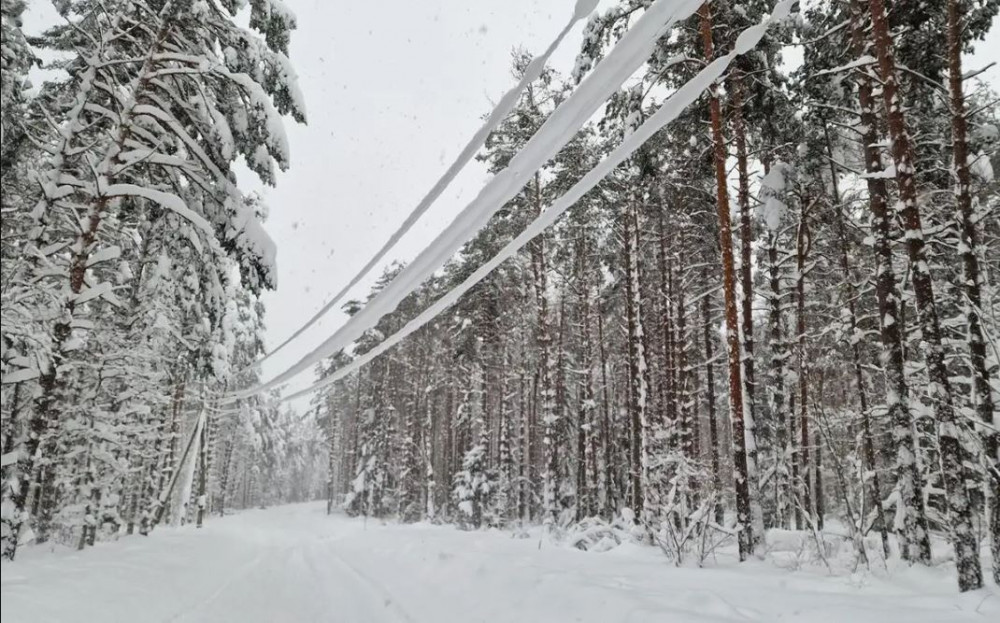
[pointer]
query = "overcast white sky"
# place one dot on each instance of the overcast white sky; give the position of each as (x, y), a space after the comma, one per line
(393, 88)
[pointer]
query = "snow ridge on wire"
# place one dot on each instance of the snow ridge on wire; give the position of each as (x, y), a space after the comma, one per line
(631, 51)
(500, 111)
(669, 111)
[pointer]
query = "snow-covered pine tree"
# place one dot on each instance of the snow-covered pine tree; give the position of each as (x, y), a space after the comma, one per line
(133, 155)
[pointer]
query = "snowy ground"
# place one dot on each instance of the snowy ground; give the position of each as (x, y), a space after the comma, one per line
(294, 563)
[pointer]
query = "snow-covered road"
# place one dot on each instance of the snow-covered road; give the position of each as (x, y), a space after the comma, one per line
(294, 563)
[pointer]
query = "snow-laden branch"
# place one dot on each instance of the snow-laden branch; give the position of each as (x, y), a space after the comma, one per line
(166, 200)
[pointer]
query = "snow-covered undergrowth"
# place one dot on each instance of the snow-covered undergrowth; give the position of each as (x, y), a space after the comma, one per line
(831, 551)
(295, 563)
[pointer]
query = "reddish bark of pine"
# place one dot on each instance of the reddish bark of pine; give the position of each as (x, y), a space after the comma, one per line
(902, 453)
(741, 476)
(970, 263)
(960, 510)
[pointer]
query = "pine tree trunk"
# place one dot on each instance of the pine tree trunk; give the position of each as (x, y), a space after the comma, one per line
(742, 477)
(802, 244)
(505, 466)
(666, 384)
(85, 490)
(332, 452)
(638, 388)
(203, 467)
(713, 426)
(170, 464)
(746, 280)
(686, 409)
(585, 492)
(818, 499)
(779, 355)
(960, 510)
(224, 478)
(689, 423)
(560, 428)
(430, 510)
(909, 482)
(969, 249)
(607, 430)
(677, 426)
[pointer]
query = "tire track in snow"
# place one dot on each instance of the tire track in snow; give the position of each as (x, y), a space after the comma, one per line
(387, 603)
(244, 571)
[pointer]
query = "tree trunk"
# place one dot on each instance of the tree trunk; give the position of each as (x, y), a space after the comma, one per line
(902, 454)
(666, 385)
(713, 426)
(607, 430)
(779, 354)
(742, 477)
(639, 461)
(963, 536)
(746, 280)
(585, 492)
(203, 466)
(969, 249)
(802, 244)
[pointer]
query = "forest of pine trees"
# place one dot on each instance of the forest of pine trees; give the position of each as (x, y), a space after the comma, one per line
(782, 313)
